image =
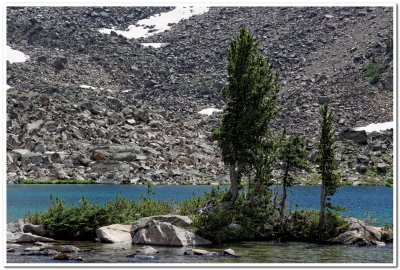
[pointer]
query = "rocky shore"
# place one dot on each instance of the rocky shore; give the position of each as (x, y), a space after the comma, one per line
(91, 106)
(146, 235)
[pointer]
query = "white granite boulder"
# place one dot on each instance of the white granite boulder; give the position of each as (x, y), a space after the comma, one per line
(114, 233)
(166, 234)
(177, 220)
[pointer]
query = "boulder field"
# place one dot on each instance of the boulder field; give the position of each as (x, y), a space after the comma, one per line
(93, 106)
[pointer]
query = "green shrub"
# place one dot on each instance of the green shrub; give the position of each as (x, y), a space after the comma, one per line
(192, 206)
(257, 221)
(81, 221)
(373, 71)
(388, 227)
(303, 225)
(210, 225)
(389, 182)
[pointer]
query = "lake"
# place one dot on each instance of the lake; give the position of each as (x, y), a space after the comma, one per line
(373, 203)
(369, 202)
(249, 251)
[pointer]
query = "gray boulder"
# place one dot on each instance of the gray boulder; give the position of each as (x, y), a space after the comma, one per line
(64, 248)
(16, 226)
(110, 166)
(358, 233)
(197, 251)
(34, 127)
(62, 257)
(141, 114)
(362, 159)
(35, 229)
(114, 233)
(230, 252)
(26, 238)
(177, 220)
(362, 168)
(166, 234)
(349, 237)
(146, 250)
(382, 168)
(358, 136)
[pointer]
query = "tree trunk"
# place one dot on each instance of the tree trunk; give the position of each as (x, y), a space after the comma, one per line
(283, 200)
(322, 212)
(234, 187)
(256, 190)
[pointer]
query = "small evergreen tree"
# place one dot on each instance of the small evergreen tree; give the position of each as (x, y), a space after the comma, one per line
(292, 156)
(326, 165)
(250, 106)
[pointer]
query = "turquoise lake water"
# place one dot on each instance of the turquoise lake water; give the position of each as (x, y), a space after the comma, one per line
(373, 203)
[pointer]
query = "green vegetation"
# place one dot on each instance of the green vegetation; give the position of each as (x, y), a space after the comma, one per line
(81, 221)
(389, 182)
(292, 154)
(326, 166)
(373, 71)
(45, 182)
(193, 206)
(304, 225)
(244, 222)
(250, 106)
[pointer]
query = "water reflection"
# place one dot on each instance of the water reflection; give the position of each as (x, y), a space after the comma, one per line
(249, 252)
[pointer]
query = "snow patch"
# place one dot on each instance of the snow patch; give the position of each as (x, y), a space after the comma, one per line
(14, 56)
(377, 127)
(158, 23)
(84, 86)
(155, 45)
(209, 111)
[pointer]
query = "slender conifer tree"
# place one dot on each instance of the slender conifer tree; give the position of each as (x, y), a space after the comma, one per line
(250, 98)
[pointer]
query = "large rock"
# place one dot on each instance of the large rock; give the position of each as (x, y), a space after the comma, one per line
(26, 238)
(110, 166)
(64, 248)
(358, 136)
(230, 252)
(16, 226)
(197, 251)
(381, 168)
(114, 233)
(358, 233)
(363, 159)
(146, 250)
(350, 237)
(166, 234)
(177, 220)
(34, 127)
(35, 229)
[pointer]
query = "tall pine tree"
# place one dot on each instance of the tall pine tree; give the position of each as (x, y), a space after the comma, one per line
(293, 157)
(326, 165)
(250, 98)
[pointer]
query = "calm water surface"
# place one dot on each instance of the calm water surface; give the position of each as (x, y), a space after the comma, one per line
(376, 203)
(249, 252)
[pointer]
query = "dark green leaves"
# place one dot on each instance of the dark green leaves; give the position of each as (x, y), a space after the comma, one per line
(250, 101)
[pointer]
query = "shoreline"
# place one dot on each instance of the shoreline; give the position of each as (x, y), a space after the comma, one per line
(92, 182)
